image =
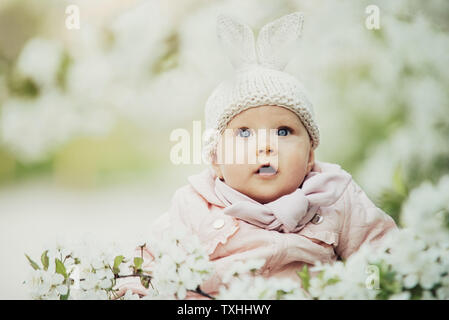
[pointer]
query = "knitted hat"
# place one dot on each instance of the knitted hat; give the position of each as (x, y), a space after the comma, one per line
(259, 78)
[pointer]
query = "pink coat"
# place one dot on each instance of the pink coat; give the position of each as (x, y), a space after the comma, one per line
(350, 221)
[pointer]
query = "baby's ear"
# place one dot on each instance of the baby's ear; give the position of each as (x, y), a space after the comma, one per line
(311, 161)
(217, 170)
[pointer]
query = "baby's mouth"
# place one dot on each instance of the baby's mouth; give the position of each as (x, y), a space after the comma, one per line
(266, 170)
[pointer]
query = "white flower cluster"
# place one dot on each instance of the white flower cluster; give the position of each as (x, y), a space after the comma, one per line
(40, 60)
(129, 295)
(420, 265)
(46, 285)
(343, 280)
(421, 98)
(426, 211)
(84, 84)
(180, 264)
(33, 127)
(85, 273)
(259, 288)
(412, 263)
(90, 273)
(49, 281)
(98, 279)
(242, 282)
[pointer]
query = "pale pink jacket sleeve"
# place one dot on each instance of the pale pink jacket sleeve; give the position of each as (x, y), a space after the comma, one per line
(363, 222)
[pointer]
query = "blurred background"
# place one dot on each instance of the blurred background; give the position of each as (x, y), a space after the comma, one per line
(86, 114)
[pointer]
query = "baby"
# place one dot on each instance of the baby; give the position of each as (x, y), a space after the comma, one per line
(276, 202)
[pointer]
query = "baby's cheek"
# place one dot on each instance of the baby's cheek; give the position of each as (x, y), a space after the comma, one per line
(292, 154)
(237, 151)
(235, 174)
(294, 164)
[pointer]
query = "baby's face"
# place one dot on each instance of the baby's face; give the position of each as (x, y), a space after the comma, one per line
(285, 147)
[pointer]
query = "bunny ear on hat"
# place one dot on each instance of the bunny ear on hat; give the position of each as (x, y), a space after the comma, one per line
(237, 39)
(278, 39)
(275, 43)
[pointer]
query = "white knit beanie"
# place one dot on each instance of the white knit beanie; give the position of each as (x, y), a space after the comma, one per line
(259, 78)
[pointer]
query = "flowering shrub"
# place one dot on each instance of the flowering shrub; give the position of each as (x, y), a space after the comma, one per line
(242, 282)
(178, 265)
(63, 274)
(412, 263)
(181, 264)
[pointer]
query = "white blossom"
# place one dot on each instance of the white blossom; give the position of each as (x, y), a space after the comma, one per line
(177, 268)
(40, 60)
(130, 296)
(44, 284)
(401, 296)
(427, 211)
(257, 288)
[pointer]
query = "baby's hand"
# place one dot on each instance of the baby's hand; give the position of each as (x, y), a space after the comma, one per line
(132, 284)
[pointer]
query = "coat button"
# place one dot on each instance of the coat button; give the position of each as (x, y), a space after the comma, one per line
(317, 219)
(218, 224)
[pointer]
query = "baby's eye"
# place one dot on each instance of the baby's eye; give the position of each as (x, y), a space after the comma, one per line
(284, 131)
(244, 132)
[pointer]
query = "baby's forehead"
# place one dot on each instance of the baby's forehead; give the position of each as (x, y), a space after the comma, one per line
(265, 115)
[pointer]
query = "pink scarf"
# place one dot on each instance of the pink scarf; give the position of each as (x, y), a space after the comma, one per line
(291, 212)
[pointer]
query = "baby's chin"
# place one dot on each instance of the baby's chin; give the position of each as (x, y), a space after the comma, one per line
(265, 199)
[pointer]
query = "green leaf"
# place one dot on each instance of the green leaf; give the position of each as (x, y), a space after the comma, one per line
(280, 294)
(304, 275)
(391, 201)
(66, 296)
(145, 281)
(45, 260)
(332, 281)
(138, 262)
(117, 261)
(389, 285)
(32, 263)
(60, 268)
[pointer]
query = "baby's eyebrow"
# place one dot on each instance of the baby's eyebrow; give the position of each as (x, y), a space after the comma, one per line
(274, 125)
(275, 122)
(285, 121)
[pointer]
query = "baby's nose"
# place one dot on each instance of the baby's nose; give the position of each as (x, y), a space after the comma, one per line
(266, 149)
